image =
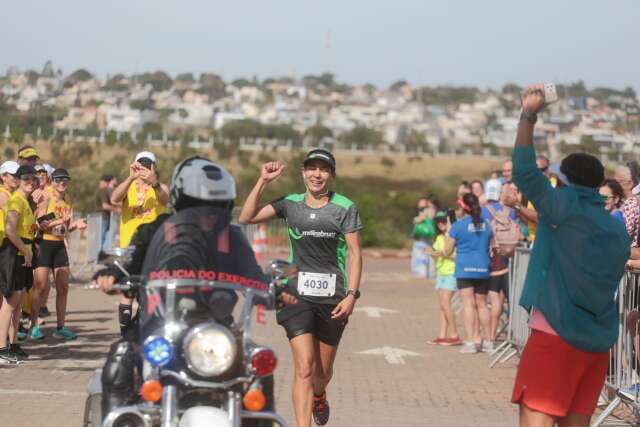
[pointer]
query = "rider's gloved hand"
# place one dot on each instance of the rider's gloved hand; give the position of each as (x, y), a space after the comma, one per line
(285, 298)
(105, 281)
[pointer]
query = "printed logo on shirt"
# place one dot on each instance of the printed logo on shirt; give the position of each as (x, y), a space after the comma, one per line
(473, 228)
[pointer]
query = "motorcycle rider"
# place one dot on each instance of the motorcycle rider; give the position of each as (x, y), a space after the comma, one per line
(198, 238)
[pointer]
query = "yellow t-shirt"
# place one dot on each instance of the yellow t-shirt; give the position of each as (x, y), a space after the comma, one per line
(532, 226)
(26, 221)
(60, 208)
(3, 213)
(444, 266)
(139, 207)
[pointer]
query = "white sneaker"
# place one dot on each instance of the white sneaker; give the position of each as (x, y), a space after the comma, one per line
(487, 346)
(468, 348)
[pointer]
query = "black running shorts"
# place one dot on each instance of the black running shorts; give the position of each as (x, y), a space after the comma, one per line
(500, 283)
(14, 276)
(306, 317)
(480, 286)
(52, 254)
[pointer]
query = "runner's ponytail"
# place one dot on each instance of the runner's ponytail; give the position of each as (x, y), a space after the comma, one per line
(473, 207)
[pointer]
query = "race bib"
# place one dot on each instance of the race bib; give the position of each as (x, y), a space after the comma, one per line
(316, 284)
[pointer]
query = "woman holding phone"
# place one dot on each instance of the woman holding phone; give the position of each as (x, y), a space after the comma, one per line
(143, 198)
(55, 221)
(16, 253)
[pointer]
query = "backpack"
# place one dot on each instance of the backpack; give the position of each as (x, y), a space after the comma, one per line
(506, 232)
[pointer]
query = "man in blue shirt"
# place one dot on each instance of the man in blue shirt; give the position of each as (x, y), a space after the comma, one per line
(576, 265)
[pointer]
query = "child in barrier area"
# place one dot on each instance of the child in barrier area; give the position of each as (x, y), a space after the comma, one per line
(445, 285)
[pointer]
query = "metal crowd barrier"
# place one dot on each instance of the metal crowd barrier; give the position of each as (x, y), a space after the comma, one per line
(84, 253)
(622, 384)
(518, 323)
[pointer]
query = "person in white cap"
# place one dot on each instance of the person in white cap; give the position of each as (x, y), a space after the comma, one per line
(9, 184)
(142, 198)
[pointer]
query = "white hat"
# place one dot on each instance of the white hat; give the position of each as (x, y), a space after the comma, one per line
(146, 154)
(48, 168)
(9, 167)
(492, 189)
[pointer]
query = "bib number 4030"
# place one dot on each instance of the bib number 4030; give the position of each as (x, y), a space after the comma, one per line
(316, 284)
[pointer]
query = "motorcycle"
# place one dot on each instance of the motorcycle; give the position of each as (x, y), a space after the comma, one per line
(197, 371)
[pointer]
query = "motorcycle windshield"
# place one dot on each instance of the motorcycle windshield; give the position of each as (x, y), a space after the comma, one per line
(196, 268)
(186, 302)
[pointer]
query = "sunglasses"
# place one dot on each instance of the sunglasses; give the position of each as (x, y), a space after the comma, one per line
(62, 179)
(28, 177)
(543, 169)
(41, 173)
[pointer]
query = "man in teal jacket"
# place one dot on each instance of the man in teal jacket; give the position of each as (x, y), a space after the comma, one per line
(576, 265)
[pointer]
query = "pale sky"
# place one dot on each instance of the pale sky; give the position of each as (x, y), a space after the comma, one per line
(486, 43)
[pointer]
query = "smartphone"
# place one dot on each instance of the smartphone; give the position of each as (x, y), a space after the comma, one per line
(146, 163)
(48, 217)
(550, 93)
(451, 213)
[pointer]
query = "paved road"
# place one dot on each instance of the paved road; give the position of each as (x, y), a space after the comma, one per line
(414, 385)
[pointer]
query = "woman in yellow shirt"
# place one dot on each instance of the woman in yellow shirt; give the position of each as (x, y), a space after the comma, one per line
(52, 255)
(143, 198)
(8, 186)
(16, 273)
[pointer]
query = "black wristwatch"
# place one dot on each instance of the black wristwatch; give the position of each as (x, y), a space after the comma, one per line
(530, 116)
(156, 186)
(356, 293)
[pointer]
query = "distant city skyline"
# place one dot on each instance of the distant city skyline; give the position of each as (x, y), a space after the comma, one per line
(483, 44)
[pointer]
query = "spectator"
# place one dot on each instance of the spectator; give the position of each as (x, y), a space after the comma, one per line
(470, 237)
(463, 189)
(16, 272)
(27, 156)
(477, 188)
(423, 233)
(499, 280)
(52, 255)
(143, 198)
(104, 205)
(628, 177)
(576, 265)
(445, 285)
(524, 208)
(507, 168)
(613, 195)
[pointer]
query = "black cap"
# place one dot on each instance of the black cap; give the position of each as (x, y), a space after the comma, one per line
(107, 177)
(321, 154)
(25, 170)
(60, 173)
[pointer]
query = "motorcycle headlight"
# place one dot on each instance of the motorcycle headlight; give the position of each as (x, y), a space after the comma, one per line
(209, 349)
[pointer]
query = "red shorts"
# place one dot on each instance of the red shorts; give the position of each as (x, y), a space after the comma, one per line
(555, 378)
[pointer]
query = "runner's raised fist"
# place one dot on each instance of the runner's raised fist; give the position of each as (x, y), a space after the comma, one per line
(271, 171)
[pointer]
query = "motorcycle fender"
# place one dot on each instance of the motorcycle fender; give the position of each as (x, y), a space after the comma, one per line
(205, 416)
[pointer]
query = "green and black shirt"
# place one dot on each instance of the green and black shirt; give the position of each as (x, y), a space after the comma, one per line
(316, 238)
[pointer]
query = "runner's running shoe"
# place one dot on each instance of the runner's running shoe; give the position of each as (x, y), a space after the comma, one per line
(18, 351)
(36, 333)
(488, 346)
(22, 333)
(64, 333)
(320, 409)
(469, 348)
(44, 311)
(7, 357)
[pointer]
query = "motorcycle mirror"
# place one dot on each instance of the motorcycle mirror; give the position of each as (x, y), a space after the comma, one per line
(281, 269)
(123, 255)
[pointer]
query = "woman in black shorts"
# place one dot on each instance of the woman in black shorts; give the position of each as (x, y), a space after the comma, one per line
(52, 255)
(16, 252)
(323, 229)
(470, 236)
